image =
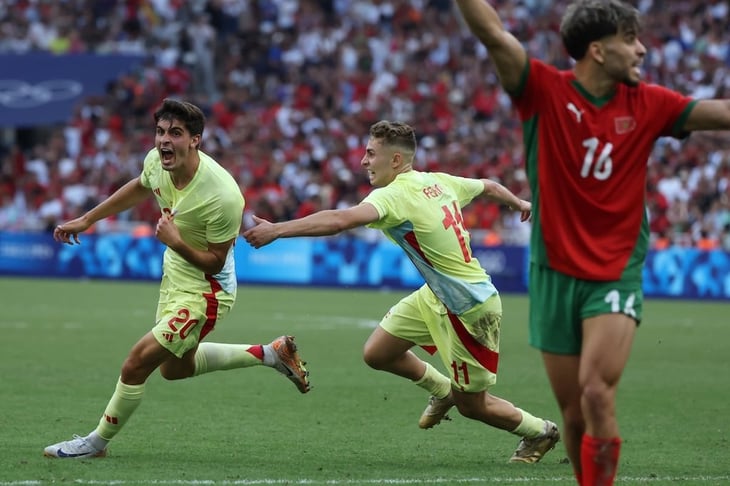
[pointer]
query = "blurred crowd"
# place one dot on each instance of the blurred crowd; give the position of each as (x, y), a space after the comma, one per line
(290, 88)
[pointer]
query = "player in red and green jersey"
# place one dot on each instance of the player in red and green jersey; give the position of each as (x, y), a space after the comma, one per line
(588, 134)
(458, 310)
(587, 156)
(202, 208)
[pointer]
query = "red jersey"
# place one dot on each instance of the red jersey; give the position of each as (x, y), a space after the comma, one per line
(587, 164)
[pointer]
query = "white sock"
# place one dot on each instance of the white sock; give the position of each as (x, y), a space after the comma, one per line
(96, 440)
(269, 355)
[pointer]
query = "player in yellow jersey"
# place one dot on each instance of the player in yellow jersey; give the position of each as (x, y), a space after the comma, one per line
(458, 310)
(202, 208)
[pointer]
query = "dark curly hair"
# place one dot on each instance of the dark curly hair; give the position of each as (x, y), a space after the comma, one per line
(586, 21)
(190, 115)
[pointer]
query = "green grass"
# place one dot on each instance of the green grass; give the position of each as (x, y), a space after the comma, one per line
(63, 343)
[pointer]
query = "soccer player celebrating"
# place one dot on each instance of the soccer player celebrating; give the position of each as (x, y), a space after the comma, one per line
(588, 133)
(458, 309)
(202, 208)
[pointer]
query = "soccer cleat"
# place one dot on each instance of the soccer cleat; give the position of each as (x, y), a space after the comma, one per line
(76, 448)
(289, 363)
(436, 411)
(531, 451)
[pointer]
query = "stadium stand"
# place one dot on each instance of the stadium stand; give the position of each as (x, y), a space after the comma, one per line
(289, 87)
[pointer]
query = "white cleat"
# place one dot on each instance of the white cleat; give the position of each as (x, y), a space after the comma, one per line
(76, 448)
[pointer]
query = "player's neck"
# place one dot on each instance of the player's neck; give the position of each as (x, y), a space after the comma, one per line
(593, 81)
(182, 176)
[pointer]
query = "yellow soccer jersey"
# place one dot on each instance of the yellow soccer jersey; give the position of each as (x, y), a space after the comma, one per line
(421, 212)
(208, 209)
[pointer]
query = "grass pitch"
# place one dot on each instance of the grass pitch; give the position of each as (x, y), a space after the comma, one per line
(63, 343)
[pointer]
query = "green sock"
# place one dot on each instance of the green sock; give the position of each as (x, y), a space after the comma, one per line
(434, 382)
(124, 402)
(530, 426)
(217, 356)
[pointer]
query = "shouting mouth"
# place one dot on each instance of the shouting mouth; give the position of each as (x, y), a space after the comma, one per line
(167, 156)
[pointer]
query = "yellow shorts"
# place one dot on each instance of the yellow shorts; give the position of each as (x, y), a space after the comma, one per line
(184, 318)
(467, 344)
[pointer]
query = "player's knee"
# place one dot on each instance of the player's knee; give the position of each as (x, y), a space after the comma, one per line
(376, 358)
(372, 358)
(171, 376)
(598, 396)
(172, 373)
(132, 371)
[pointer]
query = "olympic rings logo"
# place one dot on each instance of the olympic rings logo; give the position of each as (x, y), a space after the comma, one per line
(21, 94)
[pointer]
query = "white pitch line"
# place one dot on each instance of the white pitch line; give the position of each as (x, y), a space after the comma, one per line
(324, 322)
(18, 325)
(319, 322)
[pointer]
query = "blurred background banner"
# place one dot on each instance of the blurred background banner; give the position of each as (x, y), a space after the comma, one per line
(335, 262)
(687, 272)
(31, 254)
(40, 88)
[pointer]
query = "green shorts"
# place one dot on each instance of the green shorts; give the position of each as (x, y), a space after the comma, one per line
(468, 344)
(559, 303)
(184, 318)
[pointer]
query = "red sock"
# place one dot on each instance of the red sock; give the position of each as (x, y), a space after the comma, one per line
(578, 477)
(257, 350)
(599, 460)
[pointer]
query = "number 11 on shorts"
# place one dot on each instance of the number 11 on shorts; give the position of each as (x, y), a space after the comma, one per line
(461, 373)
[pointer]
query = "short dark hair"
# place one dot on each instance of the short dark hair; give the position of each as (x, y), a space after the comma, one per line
(394, 133)
(586, 21)
(190, 115)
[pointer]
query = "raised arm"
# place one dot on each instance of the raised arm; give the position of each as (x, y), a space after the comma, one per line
(709, 115)
(508, 54)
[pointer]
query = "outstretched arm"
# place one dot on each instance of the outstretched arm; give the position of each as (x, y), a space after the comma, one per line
(130, 194)
(496, 192)
(322, 223)
(508, 54)
(709, 115)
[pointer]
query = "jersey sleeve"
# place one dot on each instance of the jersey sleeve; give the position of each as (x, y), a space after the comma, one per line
(531, 90)
(150, 168)
(671, 108)
(465, 188)
(226, 221)
(384, 199)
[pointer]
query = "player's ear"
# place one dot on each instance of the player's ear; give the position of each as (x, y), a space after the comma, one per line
(195, 141)
(596, 51)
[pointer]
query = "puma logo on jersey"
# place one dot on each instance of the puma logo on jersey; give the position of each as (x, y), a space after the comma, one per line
(574, 109)
(156, 190)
